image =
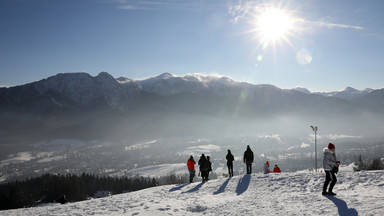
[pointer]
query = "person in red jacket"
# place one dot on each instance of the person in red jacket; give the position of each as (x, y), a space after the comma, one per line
(191, 168)
(276, 169)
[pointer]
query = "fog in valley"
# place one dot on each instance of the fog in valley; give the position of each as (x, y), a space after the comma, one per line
(110, 127)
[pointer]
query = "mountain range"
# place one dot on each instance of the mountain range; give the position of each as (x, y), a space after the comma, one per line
(80, 106)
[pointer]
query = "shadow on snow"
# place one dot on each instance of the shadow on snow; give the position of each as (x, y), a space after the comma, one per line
(196, 188)
(342, 207)
(178, 187)
(243, 184)
(222, 187)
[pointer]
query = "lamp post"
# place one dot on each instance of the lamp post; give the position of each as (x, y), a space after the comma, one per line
(314, 128)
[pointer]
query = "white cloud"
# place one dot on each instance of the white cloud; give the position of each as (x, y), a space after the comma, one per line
(336, 25)
(273, 136)
(134, 7)
(340, 136)
(163, 5)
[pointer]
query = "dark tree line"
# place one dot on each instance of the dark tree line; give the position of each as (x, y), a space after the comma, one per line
(375, 164)
(49, 188)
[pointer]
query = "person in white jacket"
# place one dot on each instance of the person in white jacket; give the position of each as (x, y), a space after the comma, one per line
(330, 167)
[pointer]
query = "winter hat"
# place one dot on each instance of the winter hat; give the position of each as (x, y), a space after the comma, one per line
(331, 146)
(268, 162)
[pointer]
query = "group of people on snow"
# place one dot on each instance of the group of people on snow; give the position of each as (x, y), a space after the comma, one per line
(330, 164)
(205, 166)
(276, 169)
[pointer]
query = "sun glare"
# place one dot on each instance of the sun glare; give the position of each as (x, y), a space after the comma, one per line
(273, 25)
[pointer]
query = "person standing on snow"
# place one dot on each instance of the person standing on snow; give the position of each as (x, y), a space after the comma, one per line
(191, 168)
(230, 160)
(210, 167)
(266, 168)
(248, 159)
(204, 167)
(331, 166)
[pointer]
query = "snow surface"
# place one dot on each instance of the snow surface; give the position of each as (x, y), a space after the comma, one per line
(295, 193)
(19, 157)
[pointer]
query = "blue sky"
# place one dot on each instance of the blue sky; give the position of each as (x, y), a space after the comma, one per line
(328, 45)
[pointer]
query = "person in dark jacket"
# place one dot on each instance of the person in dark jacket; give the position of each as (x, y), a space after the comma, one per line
(210, 167)
(191, 168)
(248, 159)
(204, 167)
(230, 160)
(331, 166)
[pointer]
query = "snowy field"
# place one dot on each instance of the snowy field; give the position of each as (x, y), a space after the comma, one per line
(296, 193)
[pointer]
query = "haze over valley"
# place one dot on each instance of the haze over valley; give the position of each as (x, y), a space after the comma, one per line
(75, 123)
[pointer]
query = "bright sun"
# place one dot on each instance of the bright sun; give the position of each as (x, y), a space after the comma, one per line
(273, 25)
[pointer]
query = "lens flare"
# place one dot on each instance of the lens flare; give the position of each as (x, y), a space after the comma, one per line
(304, 57)
(260, 58)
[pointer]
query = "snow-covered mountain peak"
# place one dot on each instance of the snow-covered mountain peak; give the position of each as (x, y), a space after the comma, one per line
(368, 90)
(124, 80)
(348, 93)
(82, 87)
(167, 83)
(206, 80)
(75, 85)
(104, 76)
(302, 90)
(165, 76)
(349, 89)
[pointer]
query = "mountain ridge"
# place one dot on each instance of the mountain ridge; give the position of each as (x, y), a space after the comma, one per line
(80, 106)
(84, 78)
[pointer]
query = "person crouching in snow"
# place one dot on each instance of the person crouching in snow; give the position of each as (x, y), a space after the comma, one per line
(191, 168)
(276, 169)
(331, 166)
(266, 168)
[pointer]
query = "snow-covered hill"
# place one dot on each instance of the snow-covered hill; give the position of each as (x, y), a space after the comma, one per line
(296, 193)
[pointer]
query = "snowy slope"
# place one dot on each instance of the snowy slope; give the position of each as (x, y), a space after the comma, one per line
(296, 193)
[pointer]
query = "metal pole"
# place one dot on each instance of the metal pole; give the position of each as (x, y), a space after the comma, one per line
(314, 128)
(315, 150)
